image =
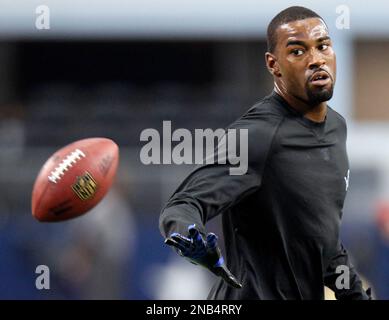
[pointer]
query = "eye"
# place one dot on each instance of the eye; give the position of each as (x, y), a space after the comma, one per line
(323, 46)
(297, 52)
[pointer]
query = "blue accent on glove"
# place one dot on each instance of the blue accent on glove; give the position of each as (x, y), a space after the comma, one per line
(220, 262)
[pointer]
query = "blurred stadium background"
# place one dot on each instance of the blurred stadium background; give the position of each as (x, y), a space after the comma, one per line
(115, 68)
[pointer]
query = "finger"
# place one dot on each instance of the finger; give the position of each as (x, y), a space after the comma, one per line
(175, 244)
(193, 232)
(229, 277)
(222, 271)
(211, 240)
(192, 226)
(196, 236)
(181, 240)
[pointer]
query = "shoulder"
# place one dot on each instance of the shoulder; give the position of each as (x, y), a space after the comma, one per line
(261, 120)
(337, 119)
(263, 115)
(260, 124)
(267, 107)
(337, 115)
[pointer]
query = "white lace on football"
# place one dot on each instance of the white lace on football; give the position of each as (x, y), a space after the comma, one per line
(66, 163)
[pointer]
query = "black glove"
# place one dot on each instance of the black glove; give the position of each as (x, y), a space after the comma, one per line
(203, 252)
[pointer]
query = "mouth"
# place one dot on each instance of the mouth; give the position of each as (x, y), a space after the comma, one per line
(320, 78)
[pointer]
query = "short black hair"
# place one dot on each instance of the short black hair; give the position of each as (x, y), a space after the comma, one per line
(287, 15)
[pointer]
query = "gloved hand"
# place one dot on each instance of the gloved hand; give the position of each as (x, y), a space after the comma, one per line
(202, 252)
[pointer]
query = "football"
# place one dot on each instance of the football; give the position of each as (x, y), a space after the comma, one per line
(74, 179)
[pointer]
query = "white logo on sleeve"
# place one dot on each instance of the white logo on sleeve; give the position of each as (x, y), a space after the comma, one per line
(347, 178)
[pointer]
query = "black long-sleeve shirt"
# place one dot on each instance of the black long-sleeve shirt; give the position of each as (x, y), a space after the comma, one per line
(281, 219)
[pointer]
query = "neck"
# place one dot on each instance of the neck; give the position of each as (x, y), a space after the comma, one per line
(315, 113)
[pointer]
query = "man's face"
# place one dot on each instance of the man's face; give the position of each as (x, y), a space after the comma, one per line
(306, 59)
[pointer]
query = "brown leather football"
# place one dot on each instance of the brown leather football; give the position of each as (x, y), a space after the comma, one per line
(74, 179)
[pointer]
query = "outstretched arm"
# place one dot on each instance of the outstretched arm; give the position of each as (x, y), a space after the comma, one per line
(211, 190)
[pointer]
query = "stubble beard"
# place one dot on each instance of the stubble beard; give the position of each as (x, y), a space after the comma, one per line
(319, 95)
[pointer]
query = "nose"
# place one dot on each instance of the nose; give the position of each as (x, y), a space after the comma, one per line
(317, 60)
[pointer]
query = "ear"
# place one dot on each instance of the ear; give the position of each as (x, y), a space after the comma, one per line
(272, 64)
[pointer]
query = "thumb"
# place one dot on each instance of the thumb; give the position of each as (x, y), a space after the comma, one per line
(227, 276)
(211, 240)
